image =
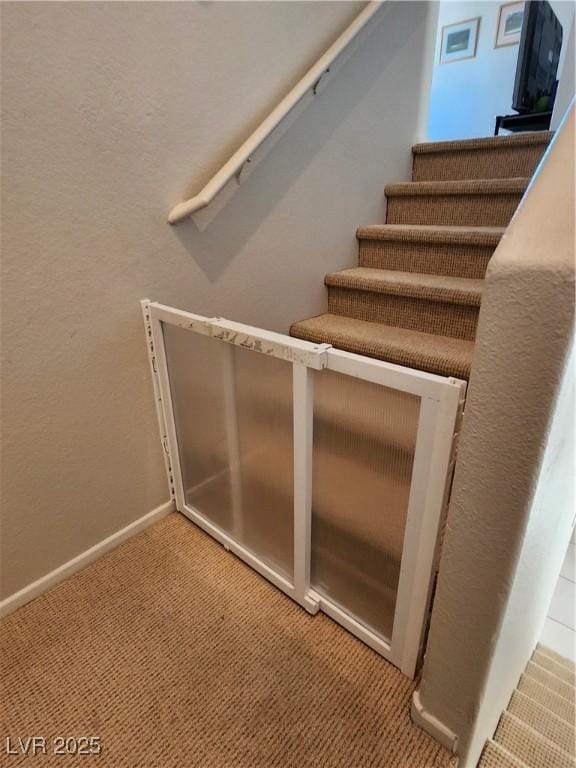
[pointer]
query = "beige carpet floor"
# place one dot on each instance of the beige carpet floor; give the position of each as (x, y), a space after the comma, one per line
(178, 655)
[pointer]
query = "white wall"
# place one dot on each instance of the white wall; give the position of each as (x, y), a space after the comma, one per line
(512, 506)
(112, 113)
(566, 85)
(467, 95)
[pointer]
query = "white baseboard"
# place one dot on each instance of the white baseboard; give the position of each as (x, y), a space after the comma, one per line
(425, 720)
(40, 586)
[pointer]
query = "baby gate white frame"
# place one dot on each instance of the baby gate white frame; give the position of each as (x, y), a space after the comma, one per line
(441, 406)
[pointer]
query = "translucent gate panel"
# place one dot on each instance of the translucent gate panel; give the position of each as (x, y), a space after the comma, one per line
(195, 373)
(233, 414)
(364, 439)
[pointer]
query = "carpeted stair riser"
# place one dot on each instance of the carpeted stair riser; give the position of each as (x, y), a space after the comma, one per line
(547, 698)
(442, 318)
(553, 666)
(479, 210)
(566, 663)
(479, 159)
(556, 684)
(545, 722)
(535, 750)
(431, 257)
(496, 756)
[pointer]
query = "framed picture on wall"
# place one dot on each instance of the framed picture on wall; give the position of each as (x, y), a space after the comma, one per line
(459, 41)
(509, 24)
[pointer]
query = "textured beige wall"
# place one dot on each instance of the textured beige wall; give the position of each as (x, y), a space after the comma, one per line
(512, 505)
(112, 113)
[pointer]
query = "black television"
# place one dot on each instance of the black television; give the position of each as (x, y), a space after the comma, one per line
(538, 55)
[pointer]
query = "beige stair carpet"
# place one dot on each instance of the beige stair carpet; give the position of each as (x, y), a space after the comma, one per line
(474, 203)
(562, 687)
(425, 249)
(444, 306)
(179, 656)
(542, 650)
(414, 298)
(497, 756)
(554, 728)
(439, 354)
(530, 746)
(548, 698)
(562, 671)
(485, 158)
(537, 730)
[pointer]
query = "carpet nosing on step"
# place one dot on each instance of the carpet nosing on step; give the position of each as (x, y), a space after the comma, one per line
(492, 187)
(431, 234)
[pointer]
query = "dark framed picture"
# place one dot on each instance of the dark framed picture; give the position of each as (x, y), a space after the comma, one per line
(459, 41)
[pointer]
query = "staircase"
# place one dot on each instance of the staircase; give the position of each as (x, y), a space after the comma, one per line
(537, 729)
(415, 296)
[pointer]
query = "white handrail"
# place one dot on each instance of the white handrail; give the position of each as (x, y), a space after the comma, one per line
(308, 84)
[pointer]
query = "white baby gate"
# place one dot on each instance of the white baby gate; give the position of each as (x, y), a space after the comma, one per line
(327, 472)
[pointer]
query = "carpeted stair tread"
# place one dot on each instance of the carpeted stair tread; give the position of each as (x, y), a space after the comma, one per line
(497, 756)
(525, 743)
(547, 698)
(433, 304)
(460, 187)
(542, 720)
(483, 158)
(560, 670)
(443, 355)
(465, 202)
(429, 233)
(551, 681)
(529, 138)
(543, 649)
(428, 249)
(452, 290)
